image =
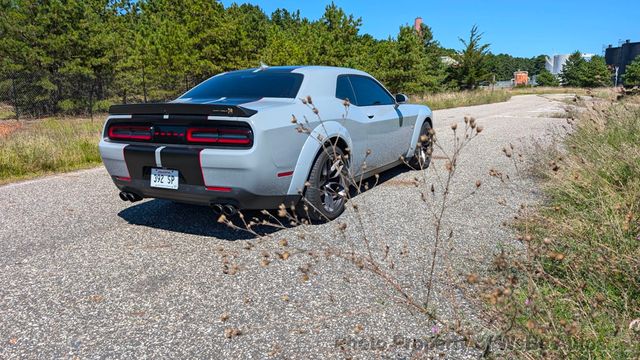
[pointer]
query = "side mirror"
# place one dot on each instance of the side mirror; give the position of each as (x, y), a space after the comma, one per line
(402, 98)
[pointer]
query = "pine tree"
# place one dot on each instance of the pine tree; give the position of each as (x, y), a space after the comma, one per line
(545, 78)
(632, 73)
(573, 70)
(412, 64)
(578, 72)
(596, 73)
(65, 47)
(471, 68)
(79, 56)
(338, 37)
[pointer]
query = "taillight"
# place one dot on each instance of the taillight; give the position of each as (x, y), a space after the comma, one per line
(219, 136)
(202, 135)
(225, 135)
(234, 136)
(129, 132)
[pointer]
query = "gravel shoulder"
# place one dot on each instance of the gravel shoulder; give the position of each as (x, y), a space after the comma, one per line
(84, 274)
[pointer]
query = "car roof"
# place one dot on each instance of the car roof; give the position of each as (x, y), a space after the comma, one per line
(318, 80)
(306, 69)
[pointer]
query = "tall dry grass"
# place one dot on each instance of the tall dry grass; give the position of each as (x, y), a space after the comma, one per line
(447, 100)
(575, 292)
(47, 146)
(602, 93)
(410, 280)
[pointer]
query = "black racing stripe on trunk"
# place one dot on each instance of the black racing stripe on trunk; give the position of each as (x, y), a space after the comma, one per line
(185, 160)
(139, 157)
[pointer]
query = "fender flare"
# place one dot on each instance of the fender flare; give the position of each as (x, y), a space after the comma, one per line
(311, 148)
(425, 114)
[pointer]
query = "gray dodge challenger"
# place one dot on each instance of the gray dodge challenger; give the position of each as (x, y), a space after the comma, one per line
(258, 138)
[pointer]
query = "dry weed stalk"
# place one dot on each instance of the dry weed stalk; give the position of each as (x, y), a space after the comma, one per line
(564, 287)
(435, 185)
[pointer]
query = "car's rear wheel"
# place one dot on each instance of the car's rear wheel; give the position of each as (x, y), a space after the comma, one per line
(326, 192)
(424, 148)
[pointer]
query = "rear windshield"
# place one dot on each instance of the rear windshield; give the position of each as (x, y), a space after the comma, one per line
(248, 84)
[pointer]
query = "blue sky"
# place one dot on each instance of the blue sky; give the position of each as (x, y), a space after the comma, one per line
(520, 28)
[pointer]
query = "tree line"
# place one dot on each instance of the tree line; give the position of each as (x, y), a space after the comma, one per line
(631, 77)
(82, 55)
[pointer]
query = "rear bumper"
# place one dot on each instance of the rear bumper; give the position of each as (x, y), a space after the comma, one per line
(197, 195)
(250, 174)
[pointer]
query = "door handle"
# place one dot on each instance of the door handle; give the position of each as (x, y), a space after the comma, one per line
(370, 116)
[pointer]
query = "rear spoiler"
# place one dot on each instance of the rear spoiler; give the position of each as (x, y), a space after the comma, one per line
(181, 109)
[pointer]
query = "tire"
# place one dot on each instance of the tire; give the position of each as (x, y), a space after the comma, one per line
(326, 192)
(421, 158)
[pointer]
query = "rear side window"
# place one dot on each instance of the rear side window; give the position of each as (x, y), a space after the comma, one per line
(248, 85)
(368, 92)
(344, 90)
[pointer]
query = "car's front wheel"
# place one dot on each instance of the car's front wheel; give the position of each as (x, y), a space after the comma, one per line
(326, 191)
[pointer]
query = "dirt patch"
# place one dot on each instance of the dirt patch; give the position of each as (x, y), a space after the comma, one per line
(6, 128)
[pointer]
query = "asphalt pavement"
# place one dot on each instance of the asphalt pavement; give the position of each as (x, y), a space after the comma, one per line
(87, 275)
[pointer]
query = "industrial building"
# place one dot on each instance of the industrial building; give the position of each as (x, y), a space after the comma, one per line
(619, 57)
(520, 78)
(555, 64)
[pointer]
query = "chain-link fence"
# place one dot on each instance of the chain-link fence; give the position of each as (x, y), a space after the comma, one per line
(26, 95)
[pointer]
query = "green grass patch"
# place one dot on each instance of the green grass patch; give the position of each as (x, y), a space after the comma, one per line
(49, 146)
(6, 112)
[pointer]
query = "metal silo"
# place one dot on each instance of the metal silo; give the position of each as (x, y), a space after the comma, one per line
(558, 63)
(548, 64)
